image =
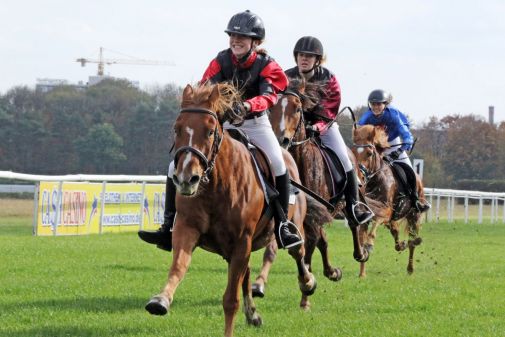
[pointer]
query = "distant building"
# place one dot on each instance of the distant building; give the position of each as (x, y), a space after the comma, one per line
(47, 84)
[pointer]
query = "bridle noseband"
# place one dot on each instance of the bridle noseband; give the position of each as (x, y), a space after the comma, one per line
(218, 138)
(301, 121)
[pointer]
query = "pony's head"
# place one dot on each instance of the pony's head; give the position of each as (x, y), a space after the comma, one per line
(288, 116)
(198, 133)
(367, 140)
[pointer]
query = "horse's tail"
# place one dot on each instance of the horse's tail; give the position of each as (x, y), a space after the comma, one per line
(317, 214)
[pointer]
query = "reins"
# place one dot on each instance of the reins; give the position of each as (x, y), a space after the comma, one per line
(216, 144)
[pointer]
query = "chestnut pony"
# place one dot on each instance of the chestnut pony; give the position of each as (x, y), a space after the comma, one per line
(381, 185)
(289, 126)
(221, 203)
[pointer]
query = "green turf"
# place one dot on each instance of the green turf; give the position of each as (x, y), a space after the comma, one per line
(98, 285)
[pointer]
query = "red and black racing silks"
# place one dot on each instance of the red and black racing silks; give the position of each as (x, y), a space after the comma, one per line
(331, 101)
(259, 77)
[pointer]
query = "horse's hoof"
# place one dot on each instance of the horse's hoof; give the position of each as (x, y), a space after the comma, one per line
(258, 290)
(335, 275)
(309, 291)
(416, 242)
(410, 270)
(363, 258)
(157, 306)
(255, 320)
(400, 246)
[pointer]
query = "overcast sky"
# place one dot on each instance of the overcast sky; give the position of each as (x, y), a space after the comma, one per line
(437, 57)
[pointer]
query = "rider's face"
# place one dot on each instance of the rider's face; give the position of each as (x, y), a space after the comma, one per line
(377, 107)
(240, 44)
(305, 62)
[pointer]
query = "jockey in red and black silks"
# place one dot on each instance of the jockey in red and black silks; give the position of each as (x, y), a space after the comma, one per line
(308, 53)
(331, 102)
(259, 77)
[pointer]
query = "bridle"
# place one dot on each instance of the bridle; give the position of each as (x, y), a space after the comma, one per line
(216, 144)
(369, 176)
(301, 121)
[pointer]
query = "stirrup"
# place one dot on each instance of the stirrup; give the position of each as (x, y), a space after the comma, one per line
(368, 218)
(422, 207)
(298, 234)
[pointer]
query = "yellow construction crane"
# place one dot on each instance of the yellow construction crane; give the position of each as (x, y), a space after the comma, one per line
(103, 61)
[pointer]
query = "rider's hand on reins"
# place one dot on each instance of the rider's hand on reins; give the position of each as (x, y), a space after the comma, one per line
(311, 131)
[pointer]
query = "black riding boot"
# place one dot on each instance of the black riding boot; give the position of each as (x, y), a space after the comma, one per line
(162, 238)
(285, 239)
(414, 196)
(359, 212)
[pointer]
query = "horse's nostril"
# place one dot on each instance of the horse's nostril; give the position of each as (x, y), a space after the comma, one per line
(194, 180)
(175, 179)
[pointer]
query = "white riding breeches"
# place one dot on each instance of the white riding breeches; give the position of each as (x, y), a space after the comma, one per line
(259, 130)
(404, 157)
(333, 139)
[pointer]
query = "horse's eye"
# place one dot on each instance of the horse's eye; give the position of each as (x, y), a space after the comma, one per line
(210, 133)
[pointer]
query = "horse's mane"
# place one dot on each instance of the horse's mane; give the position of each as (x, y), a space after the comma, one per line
(310, 93)
(222, 106)
(381, 139)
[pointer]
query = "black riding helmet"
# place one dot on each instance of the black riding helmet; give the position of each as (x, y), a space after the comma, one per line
(247, 24)
(379, 96)
(309, 45)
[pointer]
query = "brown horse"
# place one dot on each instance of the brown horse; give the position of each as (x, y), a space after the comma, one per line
(221, 203)
(382, 185)
(288, 123)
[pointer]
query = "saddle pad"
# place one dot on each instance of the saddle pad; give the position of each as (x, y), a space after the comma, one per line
(336, 170)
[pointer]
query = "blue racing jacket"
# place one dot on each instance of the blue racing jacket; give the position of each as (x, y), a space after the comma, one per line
(394, 122)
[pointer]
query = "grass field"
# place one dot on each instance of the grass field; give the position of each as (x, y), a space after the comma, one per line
(98, 285)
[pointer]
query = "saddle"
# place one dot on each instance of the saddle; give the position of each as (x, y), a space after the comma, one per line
(336, 169)
(262, 165)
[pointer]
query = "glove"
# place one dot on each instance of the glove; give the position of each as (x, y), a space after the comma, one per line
(239, 109)
(311, 131)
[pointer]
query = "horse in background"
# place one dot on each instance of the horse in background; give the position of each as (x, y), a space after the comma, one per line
(288, 123)
(221, 205)
(381, 184)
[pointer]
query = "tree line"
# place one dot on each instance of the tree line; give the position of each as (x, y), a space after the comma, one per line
(116, 128)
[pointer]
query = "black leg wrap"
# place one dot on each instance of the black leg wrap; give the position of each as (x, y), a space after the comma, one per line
(162, 238)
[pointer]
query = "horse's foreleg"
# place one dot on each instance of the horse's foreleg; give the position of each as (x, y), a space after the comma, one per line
(371, 235)
(414, 238)
(258, 287)
(359, 254)
(251, 315)
(237, 271)
(184, 240)
(394, 229)
(333, 274)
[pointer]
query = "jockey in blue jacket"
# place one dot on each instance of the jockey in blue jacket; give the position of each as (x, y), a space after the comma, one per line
(396, 125)
(260, 79)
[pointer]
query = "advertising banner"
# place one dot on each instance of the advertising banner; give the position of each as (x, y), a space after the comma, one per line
(77, 208)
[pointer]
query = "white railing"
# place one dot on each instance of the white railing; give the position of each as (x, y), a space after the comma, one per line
(457, 205)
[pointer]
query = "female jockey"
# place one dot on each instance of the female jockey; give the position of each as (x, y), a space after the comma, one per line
(396, 125)
(308, 53)
(259, 78)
